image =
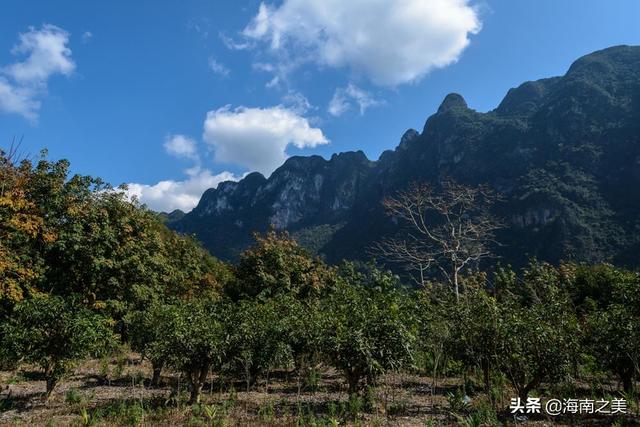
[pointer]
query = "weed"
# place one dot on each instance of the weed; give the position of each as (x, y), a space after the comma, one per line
(398, 408)
(88, 418)
(120, 364)
(6, 404)
(105, 369)
(355, 404)
(313, 380)
(457, 401)
(16, 378)
(266, 411)
(73, 397)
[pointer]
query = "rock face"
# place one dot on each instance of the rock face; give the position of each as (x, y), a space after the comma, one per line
(303, 193)
(563, 151)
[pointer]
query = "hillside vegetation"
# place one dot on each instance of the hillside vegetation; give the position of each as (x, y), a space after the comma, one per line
(564, 153)
(109, 318)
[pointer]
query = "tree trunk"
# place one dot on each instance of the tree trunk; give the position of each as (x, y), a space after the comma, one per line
(627, 381)
(51, 380)
(51, 384)
(353, 379)
(524, 391)
(157, 370)
(197, 380)
(456, 285)
(486, 375)
(523, 394)
(196, 388)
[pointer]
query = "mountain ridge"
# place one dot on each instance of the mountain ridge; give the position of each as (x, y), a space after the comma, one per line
(564, 151)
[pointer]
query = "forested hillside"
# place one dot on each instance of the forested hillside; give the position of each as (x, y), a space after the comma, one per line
(564, 152)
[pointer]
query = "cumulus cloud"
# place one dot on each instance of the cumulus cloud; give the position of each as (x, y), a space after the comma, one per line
(257, 138)
(252, 138)
(166, 196)
(18, 100)
(345, 98)
(44, 52)
(181, 146)
(389, 41)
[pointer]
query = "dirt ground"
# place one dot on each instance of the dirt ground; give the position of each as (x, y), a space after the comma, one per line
(116, 393)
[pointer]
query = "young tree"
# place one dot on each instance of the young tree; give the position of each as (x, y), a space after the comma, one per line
(146, 330)
(448, 227)
(475, 324)
(194, 341)
(608, 300)
(538, 331)
(53, 334)
(434, 328)
(300, 327)
(256, 338)
(365, 330)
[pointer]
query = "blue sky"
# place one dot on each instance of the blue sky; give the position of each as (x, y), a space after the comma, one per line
(188, 93)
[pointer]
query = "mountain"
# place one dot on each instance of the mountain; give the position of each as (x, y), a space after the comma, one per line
(173, 216)
(563, 151)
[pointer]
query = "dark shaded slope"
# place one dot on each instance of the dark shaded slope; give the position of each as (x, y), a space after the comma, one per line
(564, 151)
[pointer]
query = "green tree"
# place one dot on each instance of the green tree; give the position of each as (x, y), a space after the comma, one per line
(77, 236)
(475, 325)
(146, 330)
(277, 264)
(434, 328)
(256, 339)
(365, 330)
(538, 334)
(608, 301)
(22, 232)
(53, 334)
(194, 341)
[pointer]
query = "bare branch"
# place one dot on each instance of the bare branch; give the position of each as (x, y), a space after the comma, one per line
(449, 227)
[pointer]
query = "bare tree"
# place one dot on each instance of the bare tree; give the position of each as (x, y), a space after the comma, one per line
(448, 227)
(8, 160)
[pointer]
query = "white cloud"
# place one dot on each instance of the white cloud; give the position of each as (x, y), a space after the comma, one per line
(297, 102)
(339, 104)
(19, 100)
(218, 67)
(45, 53)
(181, 146)
(344, 98)
(257, 138)
(166, 196)
(87, 36)
(279, 70)
(389, 41)
(232, 44)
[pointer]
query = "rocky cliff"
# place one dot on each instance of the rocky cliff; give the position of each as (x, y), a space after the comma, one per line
(564, 152)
